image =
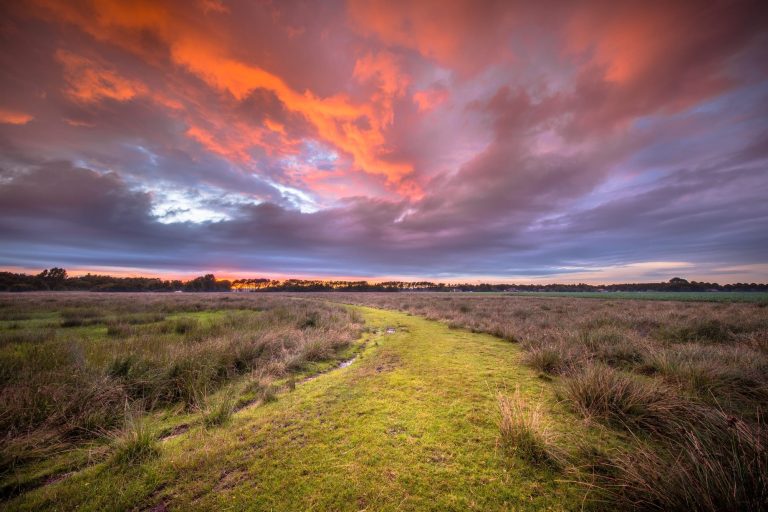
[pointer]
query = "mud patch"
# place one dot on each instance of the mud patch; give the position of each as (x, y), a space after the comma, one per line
(175, 432)
(58, 478)
(385, 362)
(229, 478)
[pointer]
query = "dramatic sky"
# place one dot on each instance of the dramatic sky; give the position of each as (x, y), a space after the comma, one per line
(447, 140)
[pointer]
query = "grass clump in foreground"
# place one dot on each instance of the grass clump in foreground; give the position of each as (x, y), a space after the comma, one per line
(136, 442)
(720, 464)
(624, 400)
(218, 410)
(684, 455)
(523, 432)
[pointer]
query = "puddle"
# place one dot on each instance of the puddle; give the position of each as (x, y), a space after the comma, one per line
(339, 366)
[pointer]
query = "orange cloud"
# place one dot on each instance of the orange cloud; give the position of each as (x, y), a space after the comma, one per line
(275, 126)
(355, 129)
(234, 141)
(214, 143)
(358, 129)
(384, 68)
(428, 99)
(214, 6)
(631, 40)
(89, 81)
(626, 43)
(458, 34)
(14, 117)
(431, 27)
(79, 123)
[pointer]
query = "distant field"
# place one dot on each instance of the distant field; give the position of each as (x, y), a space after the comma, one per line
(682, 296)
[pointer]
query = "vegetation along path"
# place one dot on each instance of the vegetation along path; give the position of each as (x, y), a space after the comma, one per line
(412, 424)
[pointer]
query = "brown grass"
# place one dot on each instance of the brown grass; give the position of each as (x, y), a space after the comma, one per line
(686, 383)
(71, 361)
(523, 432)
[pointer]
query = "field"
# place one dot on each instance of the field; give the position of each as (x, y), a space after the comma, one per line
(759, 297)
(78, 371)
(381, 402)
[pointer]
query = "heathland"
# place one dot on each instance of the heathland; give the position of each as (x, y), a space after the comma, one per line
(396, 401)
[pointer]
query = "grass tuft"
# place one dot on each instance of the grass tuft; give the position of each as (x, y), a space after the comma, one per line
(717, 464)
(135, 443)
(218, 410)
(627, 401)
(523, 432)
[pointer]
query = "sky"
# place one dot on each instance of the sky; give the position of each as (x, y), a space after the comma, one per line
(547, 141)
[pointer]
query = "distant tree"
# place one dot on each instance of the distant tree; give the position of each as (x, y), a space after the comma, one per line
(53, 279)
(207, 283)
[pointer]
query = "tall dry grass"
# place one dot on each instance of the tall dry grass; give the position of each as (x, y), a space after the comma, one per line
(69, 362)
(524, 433)
(685, 383)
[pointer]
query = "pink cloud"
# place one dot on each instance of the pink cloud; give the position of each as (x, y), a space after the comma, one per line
(14, 117)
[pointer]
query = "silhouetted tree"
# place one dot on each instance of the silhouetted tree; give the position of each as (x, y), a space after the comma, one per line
(53, 279)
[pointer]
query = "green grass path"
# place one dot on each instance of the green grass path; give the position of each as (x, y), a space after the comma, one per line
(412, 424)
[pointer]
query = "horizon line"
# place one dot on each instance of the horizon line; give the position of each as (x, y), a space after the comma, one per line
(230, 275)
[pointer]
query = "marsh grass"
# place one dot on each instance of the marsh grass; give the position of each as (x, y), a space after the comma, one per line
(626, 401)
(136, 442)
(717, 463)
(74, 360)
(686, 382)
(218, 409)
(523, 432)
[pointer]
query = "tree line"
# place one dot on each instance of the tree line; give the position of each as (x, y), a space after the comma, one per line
(56, 279)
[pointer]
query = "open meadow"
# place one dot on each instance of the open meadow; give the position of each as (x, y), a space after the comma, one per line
(110, 373)
(381, 401)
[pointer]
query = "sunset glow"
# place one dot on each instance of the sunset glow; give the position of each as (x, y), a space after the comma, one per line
(452, 140)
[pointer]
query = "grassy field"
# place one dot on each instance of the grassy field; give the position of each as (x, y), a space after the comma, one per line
(471, 402)
(79, 373)
(412, 424)
(687, 381)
